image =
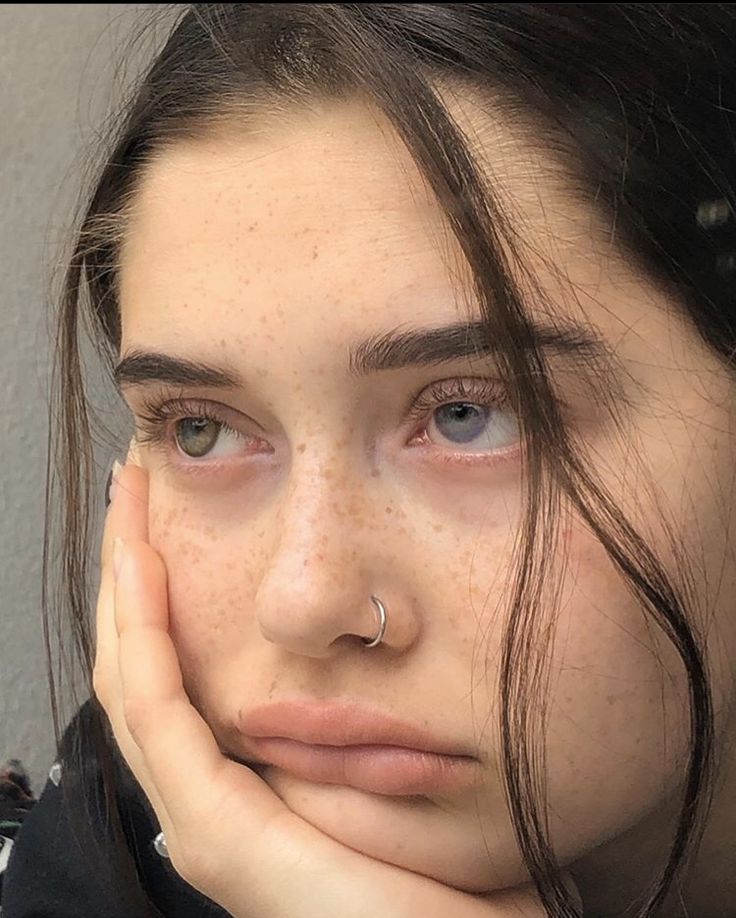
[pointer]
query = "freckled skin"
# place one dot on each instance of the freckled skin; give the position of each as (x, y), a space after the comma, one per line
(313, 245)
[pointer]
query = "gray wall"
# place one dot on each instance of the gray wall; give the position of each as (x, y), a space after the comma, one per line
(60, 71)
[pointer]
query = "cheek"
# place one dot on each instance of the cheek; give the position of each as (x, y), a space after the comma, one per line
(617, 707)
(210, 575)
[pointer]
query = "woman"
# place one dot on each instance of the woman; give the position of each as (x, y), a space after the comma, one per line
(416, 591)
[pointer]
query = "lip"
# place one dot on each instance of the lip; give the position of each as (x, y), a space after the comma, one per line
(348, 744)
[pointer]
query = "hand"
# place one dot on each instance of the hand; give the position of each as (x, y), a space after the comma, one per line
(262, 861)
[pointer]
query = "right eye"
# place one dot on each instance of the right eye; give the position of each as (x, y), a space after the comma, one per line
(193, 429)
(198, 437)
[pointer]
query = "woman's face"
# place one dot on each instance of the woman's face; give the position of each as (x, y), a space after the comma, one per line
(313, 481)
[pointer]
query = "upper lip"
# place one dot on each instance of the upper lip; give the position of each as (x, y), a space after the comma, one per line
(339, 724)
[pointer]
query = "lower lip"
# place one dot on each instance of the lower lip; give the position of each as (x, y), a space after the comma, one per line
(392, 770)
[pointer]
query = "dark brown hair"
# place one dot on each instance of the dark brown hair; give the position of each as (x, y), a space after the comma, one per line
(637, 98)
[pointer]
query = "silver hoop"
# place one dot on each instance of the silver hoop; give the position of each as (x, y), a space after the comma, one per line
(374, 642)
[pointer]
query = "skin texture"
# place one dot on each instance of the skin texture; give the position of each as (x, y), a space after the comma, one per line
(259, 859)
(270, 254)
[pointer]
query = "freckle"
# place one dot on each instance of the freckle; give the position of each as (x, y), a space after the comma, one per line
(305, 563)
(389, 510)
(252, 226)
(315, 252)
(437, 527)
(301, 447)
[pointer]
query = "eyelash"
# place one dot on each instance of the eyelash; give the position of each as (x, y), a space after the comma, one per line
(484, 392)
(157, 415)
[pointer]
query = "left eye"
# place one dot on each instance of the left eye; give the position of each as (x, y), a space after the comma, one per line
(483, 427)
(197, 437)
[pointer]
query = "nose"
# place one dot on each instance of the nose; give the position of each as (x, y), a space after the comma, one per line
(329, 558)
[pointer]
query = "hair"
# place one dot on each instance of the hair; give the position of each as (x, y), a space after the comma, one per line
(638, 100)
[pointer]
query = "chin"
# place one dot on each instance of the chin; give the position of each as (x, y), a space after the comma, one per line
(414, 833)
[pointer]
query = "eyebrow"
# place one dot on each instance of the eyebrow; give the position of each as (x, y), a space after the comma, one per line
(390, 350)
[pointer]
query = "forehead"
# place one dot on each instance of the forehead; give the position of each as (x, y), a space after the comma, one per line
(318, 211)
(321, 220)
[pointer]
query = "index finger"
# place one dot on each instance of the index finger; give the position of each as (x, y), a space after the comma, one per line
(126, 518)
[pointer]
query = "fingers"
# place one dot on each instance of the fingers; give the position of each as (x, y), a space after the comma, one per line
(177, 745)
(127, 517)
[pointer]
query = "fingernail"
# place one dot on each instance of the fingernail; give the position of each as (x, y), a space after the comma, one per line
(112, 483)
(118, 552)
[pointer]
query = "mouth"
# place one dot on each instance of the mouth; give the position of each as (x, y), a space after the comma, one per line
(352, 746)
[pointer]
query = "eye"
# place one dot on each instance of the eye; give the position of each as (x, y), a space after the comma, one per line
(469, 416)
(198, 437)
(195, 430)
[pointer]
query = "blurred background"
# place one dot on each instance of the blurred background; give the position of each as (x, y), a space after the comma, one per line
(64, 68)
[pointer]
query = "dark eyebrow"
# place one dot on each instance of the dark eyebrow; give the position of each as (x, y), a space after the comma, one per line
(140, 367)
(390, 350)
(432, 346)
